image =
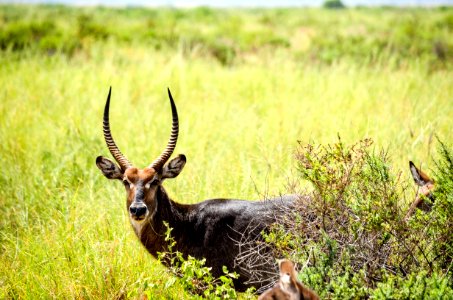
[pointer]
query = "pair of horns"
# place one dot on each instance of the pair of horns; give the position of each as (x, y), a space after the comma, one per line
(120, 158)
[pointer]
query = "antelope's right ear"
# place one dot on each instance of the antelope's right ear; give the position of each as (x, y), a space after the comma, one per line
(109, 168)
(420, 178)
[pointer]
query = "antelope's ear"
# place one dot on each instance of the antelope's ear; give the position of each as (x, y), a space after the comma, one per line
(109, 168)
(174, 167)
(420, 178)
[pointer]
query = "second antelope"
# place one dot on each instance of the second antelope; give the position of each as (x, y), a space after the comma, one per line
(426, 187)
(210, 229)
(288, 287)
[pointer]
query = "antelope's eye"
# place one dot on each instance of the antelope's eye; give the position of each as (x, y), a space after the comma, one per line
(149, 183)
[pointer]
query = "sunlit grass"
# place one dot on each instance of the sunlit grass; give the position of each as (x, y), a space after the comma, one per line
(64, 230)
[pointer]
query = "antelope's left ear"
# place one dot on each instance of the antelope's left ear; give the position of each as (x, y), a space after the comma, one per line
(420, 178)
(109, 168)
(174, 167)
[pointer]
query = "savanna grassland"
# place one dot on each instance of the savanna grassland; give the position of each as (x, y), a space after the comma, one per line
(248, 84)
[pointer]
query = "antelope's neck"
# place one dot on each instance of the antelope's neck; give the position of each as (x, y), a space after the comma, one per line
(153, 232)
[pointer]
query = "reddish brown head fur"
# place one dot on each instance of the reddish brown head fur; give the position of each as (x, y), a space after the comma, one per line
(288, 287)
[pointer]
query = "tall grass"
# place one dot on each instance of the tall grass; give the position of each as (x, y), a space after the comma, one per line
(64, 229)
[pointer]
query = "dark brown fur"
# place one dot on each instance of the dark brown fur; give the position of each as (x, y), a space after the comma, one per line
(210, 229)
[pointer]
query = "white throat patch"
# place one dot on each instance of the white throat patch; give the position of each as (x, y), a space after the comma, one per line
(285, 279)
(137, 225)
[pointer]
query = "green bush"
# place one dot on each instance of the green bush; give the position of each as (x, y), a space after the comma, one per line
(335, 4)
(351, 236)
(419, 285)
(22, 34)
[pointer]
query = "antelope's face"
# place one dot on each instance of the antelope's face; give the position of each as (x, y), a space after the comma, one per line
(141, 184)
(288, 275)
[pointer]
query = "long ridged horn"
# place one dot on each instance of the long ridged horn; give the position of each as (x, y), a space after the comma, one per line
(114, 150)
(162, 159)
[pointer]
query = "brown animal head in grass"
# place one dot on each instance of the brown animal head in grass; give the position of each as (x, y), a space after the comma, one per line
(424, 192)
(288, 287)
(141, 184)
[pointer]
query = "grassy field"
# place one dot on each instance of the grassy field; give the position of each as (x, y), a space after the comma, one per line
(245, 99)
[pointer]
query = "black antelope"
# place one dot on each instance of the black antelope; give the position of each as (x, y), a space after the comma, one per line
(210, 229)
(426, 186)
(288, 287)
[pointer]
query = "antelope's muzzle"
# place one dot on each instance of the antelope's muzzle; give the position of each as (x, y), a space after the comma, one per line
(138, 211)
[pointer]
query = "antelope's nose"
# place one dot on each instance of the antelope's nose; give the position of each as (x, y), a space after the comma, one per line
(138, 210)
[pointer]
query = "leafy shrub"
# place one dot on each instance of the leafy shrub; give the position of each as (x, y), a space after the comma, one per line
(419, 285)
(438, 225)
(350, 235)
(87, 27)
(22, 34)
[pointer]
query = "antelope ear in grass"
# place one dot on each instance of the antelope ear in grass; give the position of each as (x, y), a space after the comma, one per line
(426, 186)
(419, 177)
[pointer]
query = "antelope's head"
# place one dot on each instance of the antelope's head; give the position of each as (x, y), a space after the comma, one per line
(141, 184)
(426, 186)
(288, 274)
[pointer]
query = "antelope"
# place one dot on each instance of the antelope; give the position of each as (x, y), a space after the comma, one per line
(288, 287)
(209, 229)
(426, 186)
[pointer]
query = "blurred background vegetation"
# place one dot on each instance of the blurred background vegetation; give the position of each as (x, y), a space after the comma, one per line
(248, 83)
(362, 35)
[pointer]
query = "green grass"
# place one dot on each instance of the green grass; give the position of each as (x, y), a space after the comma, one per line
(64, 229)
